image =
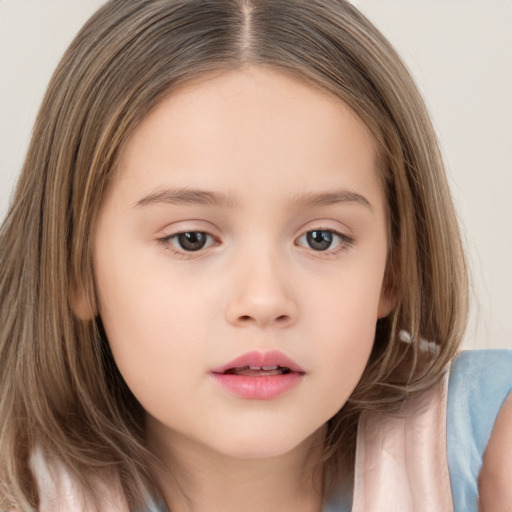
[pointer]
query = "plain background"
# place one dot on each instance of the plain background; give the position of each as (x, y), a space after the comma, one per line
(460, 52)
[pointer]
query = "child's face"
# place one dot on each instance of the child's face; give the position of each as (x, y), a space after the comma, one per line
(246, 216)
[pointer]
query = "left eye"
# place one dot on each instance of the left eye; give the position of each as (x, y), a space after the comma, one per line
(190, 241)
(321, 239)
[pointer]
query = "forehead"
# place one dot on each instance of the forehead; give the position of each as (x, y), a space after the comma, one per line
(245, 125)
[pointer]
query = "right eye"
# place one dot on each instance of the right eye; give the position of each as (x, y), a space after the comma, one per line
(188, 241)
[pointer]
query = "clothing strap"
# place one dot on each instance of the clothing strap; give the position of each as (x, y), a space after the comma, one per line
(401, 463)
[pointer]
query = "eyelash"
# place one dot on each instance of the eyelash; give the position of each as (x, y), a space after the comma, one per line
(168, 243)
(344, 242)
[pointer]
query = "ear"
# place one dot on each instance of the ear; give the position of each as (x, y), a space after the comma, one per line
(80, 303)
(387, 302)
(388, 299)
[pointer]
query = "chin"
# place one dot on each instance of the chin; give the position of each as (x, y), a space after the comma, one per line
(254, 447)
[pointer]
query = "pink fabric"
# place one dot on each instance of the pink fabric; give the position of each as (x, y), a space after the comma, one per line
(59, 493)
(401, 463)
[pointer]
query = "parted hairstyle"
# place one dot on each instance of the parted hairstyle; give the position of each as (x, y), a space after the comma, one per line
(60, 389)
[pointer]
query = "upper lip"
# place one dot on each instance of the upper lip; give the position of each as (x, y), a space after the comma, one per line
(260, 359)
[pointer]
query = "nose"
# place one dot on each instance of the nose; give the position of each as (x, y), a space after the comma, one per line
(261, 297)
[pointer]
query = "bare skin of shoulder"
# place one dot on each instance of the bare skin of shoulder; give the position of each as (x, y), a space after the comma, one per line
(495, 477)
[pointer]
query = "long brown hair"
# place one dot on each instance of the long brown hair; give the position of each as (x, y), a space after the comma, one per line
(59, 387)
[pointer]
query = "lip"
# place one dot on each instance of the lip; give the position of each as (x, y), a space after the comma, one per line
(262, 387)
(255, 358)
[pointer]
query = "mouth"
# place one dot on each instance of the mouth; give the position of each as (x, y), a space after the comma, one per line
(258, 371)
(261, 363)
(259, 375)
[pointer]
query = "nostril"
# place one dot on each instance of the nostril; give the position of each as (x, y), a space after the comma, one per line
(248, 318)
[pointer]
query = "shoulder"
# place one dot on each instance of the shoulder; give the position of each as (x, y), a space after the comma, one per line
(494, 479)
(480, 381)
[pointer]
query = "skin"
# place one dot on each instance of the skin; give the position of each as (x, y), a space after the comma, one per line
(494, 480)
(264, 140)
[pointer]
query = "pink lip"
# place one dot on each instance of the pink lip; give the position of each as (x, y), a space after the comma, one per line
(263, 387)
(272, 358)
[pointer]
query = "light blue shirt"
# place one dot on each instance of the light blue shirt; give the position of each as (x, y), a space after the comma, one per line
(480, 381)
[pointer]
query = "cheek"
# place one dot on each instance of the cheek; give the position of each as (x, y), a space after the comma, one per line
(345, 340)
(344, 330)
(153, 330)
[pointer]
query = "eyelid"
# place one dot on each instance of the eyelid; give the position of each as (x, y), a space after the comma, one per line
(187, 226)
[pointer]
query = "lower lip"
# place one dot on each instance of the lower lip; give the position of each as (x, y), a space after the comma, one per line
(266, 387)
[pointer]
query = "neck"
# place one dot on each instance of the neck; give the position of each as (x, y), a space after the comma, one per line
(201, 479)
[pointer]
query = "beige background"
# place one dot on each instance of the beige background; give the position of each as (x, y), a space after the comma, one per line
(460, 52)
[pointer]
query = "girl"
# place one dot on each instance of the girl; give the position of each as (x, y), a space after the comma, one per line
(232, 278)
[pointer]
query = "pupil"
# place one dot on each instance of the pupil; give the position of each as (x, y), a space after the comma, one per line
(192, 241)
(319, 240)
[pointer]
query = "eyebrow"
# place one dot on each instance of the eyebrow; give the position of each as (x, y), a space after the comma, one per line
(311, 200)
(186, 195)
(193, 196)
